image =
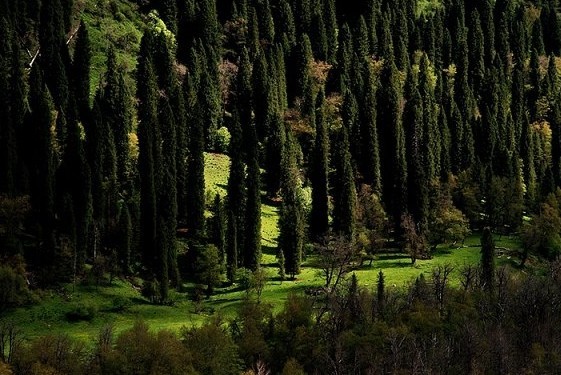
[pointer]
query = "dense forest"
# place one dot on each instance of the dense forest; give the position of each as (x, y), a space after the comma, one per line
(372, 125)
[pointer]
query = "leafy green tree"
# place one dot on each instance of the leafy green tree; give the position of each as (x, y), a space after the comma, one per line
(369, 132)
(208, 267)
(213, 350)
(414, 242)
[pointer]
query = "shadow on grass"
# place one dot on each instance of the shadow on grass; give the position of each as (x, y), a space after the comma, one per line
(269, 250)
(384, 257)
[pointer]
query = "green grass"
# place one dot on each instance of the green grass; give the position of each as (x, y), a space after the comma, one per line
(116, 23)
(49, 316)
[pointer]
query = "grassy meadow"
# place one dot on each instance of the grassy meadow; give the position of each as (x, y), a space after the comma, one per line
(121, 304)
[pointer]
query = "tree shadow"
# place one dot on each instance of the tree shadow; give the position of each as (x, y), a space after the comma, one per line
(269, 250)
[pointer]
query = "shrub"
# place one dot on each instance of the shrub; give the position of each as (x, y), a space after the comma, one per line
(82, 311)
(222, 139)
(151, 291)
(121, 304)
(13, 288)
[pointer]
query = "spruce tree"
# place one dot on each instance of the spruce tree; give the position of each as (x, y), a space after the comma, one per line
(219, 227)
(262, 96)
(392, 141)
(487, 259)
(81, 71)
(344, 202)
(414, 137)
(431, 135)
(267, 25)
(236, 196)
(476, 52)
(41, 165)
(319, 171)
(330, 23)
(168, 13)
(195, 173)
(291, 221)
(252, 222)
(147, 158)
(369, 132)
(167, 197)
(208, 24)
(8, 141)
(318, 36)
(285, 26)
(74, 183)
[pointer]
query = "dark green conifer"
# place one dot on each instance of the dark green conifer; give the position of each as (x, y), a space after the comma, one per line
(167, 197)
(168, 13)
(291, 221)
(413, 124)
(361, 42)
(236, 196)
(41, 165)
(8, 141)
(219, 227)
(344, 202)
(392, 142)
(267, 24)
(477, 52)
(318, 36)
(487, 259)
(285, 26)
(330, 22)
(319, 172)
(537, 37)
(208, 24)
(148, 154)
(252, 248)
(195, 172)
(369, 131)
(81, 72)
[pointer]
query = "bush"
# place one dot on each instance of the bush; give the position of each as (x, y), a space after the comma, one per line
(222, 139)
(13, 288)
(82, 311)
(121, 304)
(151, 291)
